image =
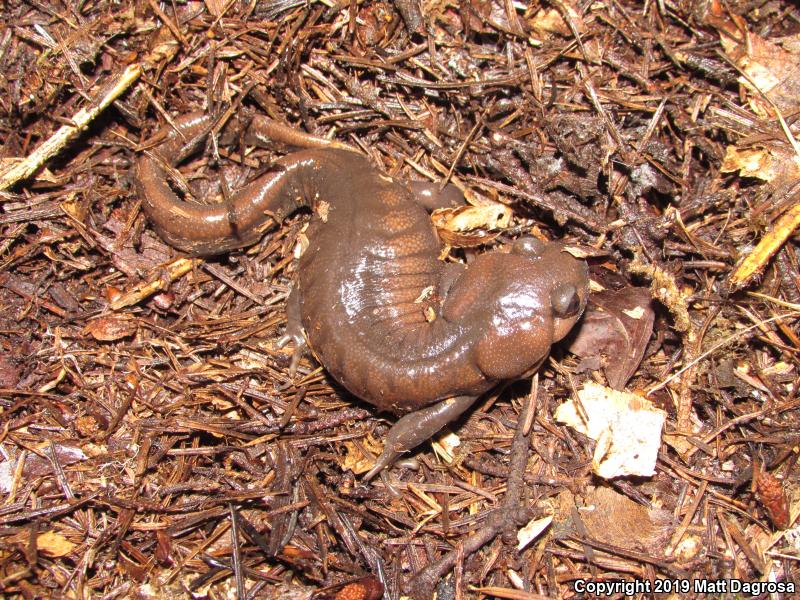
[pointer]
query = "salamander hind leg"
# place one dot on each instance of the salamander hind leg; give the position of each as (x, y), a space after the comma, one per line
(416, 427)
(263, 130)
(294, 331)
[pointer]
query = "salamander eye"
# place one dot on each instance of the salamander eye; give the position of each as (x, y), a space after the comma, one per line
(565, 300)
(529, 246)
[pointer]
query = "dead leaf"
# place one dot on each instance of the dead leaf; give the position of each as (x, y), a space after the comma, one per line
(355, 460)
(627, 428)
(772, 496)
(618, 520)
(363, 588)
(767, 68)
(467, 226)
(772, 76)
(549, 21)
(614, 332)
(762, 163)
(54, 544)
(9, 373)
(111, 328)
(215, 7)
(37, 465)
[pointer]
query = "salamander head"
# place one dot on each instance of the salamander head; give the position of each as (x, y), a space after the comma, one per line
(532, 297)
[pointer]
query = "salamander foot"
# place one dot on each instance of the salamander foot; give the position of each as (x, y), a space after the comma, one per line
(294, 331)
(416, 427)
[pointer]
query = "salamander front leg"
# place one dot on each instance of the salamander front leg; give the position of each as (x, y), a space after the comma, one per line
(414, 428)
(294, 331)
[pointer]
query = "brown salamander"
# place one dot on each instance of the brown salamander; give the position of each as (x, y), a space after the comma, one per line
(389, 321)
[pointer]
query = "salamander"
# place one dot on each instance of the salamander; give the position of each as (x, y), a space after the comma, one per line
(391, 322)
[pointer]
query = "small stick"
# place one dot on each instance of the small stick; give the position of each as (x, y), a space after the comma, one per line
(25, 167)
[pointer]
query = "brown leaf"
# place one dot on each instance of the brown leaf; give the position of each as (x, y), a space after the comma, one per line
(36, 465)
(770, 493)
(618, 520)
(355, 460)
(111, 328)
(615, 331)
(365, 588)
(9, 373)
(53, 544)
(466, 226)
(215, 7)
(549, 20)
(767, 68)
(764, 163)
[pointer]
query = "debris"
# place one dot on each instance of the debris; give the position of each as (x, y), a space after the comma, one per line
(627, 429)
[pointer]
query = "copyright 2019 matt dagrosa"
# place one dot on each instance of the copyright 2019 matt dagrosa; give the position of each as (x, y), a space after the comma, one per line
(629, 587)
